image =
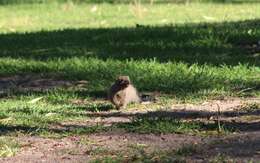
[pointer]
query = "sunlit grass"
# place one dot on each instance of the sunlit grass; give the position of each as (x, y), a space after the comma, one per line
(147, 75)
(21, 116)
(35, 17)
(8, 147)
(186, 51)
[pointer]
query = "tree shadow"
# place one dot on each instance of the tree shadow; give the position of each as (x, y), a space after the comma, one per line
(242, 145)
(64, 131)
(94, 107)
(96, 88)
(175, 114)
(213, 43)
(234, 148)
(218, 44)
(209, 119)
(202, 120)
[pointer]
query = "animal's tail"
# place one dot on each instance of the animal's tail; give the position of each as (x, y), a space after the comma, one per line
(147, 98)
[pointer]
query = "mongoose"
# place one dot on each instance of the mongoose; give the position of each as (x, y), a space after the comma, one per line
(122, 92)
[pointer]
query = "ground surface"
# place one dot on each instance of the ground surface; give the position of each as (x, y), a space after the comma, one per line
(242, 145)
(199, 61)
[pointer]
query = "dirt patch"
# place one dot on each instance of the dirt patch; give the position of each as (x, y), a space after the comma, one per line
(238, 147)
(151, 142)
(84, 148)
(36, 83)
(229, 109)
(242, 146)
(36, 149)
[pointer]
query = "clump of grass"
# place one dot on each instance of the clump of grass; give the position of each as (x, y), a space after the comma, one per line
(51, 132)
(158, 125)
(180, 78)
(250, 107)
(8, 147)
(221, 158)
(187, 150)
(41, 118)
(134, 155)
(169, 125)
(108, 159)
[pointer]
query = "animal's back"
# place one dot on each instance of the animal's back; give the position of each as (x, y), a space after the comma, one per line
(132, 94)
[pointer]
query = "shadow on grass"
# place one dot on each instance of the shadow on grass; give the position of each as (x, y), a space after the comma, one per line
(99, 55)
(203, 120)
(237, 148)
(216, 43)
(245, 146)
(98, 107)
(176, 114)
(65, 131)
(157, 122)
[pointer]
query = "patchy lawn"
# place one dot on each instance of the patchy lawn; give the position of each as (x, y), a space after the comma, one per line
(199, 60)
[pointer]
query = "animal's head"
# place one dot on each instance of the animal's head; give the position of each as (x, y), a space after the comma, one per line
(123, 81)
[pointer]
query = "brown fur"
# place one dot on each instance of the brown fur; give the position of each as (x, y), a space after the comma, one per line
(122, 92)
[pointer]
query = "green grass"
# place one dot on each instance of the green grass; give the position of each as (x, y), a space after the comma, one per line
(6, 2)
(53, 16)
(8, 147)
(137, 153)
(20, 117)
(51, 120)
(188, 51)
(222, 158)
(187, 150)
(199, 55)
(162, 125)
(147, 75)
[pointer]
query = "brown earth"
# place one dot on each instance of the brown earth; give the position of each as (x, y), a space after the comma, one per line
(243, 146)
(239, 147)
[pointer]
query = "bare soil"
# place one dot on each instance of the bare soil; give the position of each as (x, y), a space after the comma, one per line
(240, 147)
(33, 82)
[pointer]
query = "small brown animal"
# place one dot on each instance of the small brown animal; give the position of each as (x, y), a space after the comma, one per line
(122, 92)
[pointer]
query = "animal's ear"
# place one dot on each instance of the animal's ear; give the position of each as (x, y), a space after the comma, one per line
(117, 80)
(124, 78)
